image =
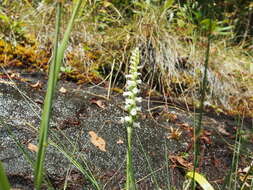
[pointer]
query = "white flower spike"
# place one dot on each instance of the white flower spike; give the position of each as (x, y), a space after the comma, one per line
(132, 90)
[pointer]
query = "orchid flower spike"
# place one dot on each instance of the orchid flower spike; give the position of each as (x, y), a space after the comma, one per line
(132, 90)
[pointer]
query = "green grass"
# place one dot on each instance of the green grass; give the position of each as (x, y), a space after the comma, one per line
(4, 184)
(52, 84)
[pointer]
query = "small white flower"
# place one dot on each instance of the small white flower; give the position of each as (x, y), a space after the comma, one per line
(133, 112)
(138, 81)
(128, 93)
(129, 101)
(122, 120)
(131, 83)
(135, 90)
(134, 67)
(129, 76)
(132, 90)
(128, 106)
(136, 124)
(128, 119)
(132, 64)
(138, 108)
(138, 99)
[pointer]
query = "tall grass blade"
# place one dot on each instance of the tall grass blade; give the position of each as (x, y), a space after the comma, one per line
(229, 178)
(167, 165)
(44, 126)
(153, 177)
(85, 171)
(197, 129)
(52, 81)
(235, 158)
(246, 177)
(4, 183)
(64, 43)
(167, 4)
(237, 151)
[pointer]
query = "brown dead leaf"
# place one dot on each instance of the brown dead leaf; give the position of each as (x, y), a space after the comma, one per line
(222, 130)
(63, 90)
(97, 141)
(100, 103)
(38, 84)
(206, 140)
(120, 141)
(170, 117)
(32, 147)
(180, 161)
(184, 125)
(207, 133)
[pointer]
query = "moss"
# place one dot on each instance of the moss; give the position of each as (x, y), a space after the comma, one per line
(24, 56)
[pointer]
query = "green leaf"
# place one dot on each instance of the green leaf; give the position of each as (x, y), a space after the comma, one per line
(180, 22)
(200, 179)
(4, 184)
(168, 4)
(4, 18)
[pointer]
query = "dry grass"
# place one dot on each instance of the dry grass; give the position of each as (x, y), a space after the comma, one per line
(173, 60)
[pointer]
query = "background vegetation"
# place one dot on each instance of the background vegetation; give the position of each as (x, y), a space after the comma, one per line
(171, 34)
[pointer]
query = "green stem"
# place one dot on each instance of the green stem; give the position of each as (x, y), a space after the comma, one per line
(130, 185)
(197, 130)
(44, 126)
(4, 184)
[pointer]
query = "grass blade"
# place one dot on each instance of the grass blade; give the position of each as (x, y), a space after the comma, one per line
(52, 81)
(153, 177)
(85, 171)
(64, 43)
(44, 127)
(4, 183)
(197, 129)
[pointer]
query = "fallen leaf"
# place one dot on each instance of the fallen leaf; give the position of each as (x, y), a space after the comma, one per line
(200, 179)
(245, 170)
(32, 147)
(38, 101)
(206, 140)
(178, 160)
(120, 141)
(184, 125)
(97, 141)
(98, 102)
(207, 133)
(222, 130)
(36, 85)
(63, 90)
(170, 117)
